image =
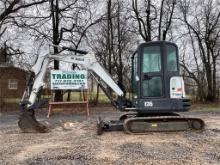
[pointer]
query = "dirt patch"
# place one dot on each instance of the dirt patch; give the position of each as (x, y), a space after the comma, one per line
(73, 140)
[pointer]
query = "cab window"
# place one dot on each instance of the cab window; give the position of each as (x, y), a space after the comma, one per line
(171, 58)
(134, 73)
(152, 87)
(151, 59)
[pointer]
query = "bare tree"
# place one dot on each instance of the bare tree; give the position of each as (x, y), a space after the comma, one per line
(61, 23)
(192, 68)
(203, 21)
(165, 17)
(10, 7)
(153, 20)
(116, 36)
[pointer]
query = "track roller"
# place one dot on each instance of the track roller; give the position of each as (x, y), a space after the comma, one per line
(197, 124)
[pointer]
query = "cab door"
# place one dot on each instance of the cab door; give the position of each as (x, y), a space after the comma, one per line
(151, 72)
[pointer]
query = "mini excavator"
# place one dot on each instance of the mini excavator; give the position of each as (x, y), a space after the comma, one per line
(158, 92)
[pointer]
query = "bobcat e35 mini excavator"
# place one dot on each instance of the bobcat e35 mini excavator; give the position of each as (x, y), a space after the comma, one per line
(158, 92)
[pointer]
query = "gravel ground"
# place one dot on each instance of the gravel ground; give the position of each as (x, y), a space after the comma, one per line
(73, 141)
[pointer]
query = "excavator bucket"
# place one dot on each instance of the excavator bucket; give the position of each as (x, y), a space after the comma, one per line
(28, 123)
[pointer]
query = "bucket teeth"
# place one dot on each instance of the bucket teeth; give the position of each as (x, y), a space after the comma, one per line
(28, 123)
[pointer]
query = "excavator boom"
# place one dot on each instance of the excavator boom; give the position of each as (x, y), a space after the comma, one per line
(27, 121)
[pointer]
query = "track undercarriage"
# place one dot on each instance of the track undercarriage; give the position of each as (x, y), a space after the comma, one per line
(134, 123)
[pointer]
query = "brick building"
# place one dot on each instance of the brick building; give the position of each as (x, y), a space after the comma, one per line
(12, 79)
(12, 82)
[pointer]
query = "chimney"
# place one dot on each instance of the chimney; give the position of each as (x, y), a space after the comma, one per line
(4, 56)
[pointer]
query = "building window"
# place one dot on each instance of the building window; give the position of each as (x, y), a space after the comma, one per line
(12, 84)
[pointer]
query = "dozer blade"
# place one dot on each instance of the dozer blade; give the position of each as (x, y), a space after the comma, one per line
(112, 125)
(28, 123)
(143, 125)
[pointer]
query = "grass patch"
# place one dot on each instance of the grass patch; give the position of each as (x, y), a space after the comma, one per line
(11, 100)
(206, 106)
(75, 96)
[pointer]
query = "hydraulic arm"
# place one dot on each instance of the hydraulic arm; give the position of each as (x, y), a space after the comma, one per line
(27, 121)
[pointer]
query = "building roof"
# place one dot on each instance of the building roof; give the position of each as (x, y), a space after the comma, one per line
(11, 67)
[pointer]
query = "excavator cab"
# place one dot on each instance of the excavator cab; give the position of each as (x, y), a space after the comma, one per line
(157, 86)
(158, 94)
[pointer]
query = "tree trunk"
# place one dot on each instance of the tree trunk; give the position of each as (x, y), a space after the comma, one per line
(209, 96)
(109, 40)
(214, 79)
(97, 96)
(120, 72)
(91, 89)
(149, 21)
(68, 95)
(55, 22)
(109, 35)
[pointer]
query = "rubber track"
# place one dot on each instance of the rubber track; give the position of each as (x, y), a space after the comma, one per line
(159, 119)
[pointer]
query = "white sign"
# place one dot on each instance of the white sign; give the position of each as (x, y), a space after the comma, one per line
(68, 79)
